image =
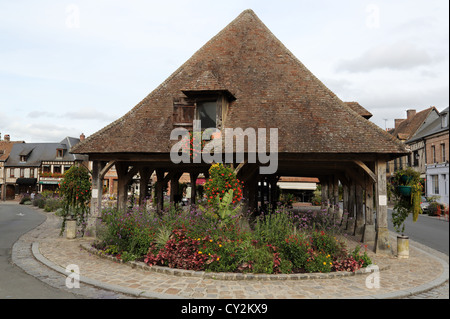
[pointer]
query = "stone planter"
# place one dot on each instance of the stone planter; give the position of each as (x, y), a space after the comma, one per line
(71, 229)
(402, 246)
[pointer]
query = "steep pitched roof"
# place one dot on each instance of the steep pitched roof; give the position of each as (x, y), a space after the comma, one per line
(355, 106)
(5, 149)
(38, 152)
(433, 127)
(273, 89)
(409, 127)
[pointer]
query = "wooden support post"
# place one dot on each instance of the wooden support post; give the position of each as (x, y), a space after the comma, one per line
(96, 198)
(122, 186)
(159, 191)
(324, 183)
(175, 197)
(345, 204)
(351, 208)
(336, 210)
(369, 227)
(273, 191)
(193, 177)
(382, 238)
(359, 220)
(145, 173)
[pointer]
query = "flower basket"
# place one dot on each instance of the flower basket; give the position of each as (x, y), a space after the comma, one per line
(404, 190)
(406, 179)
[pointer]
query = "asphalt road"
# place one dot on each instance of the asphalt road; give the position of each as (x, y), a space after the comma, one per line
(16, 220)
(429, 231)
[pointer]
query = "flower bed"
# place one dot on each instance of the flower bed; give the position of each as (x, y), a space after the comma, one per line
(277, 243)
(216, 237)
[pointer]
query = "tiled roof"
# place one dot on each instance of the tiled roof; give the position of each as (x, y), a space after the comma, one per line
(355, 106)
(432, 128)
(273, 89)
(5, 148)
(408, 127)
(38, 152)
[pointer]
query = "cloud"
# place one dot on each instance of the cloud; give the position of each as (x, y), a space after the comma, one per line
(395, 56)
(81, 114)
(37, 114)
(88, 114)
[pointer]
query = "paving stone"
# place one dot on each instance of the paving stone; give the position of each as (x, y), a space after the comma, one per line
(421, 273)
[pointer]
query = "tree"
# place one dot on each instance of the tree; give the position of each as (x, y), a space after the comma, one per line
(75, 189)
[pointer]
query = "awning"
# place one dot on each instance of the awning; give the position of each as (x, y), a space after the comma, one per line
(297, 185)
(49, 182)
(26, 181)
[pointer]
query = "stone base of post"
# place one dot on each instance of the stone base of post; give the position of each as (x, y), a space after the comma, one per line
(383, 245)
(369, 235)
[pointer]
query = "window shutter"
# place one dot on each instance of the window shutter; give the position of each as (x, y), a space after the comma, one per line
(183, 112)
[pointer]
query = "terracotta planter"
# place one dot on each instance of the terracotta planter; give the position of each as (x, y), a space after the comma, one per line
(402, 246)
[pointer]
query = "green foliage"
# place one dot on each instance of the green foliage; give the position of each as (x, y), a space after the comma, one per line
(195, 239)
(222, 179)
(274, 227)
(406, 204)
(75, 189)
(363, 259)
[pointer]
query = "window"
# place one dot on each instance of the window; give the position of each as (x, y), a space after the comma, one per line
(31, 172)
(23, 158)
(59, 153)
(443, 152)
(444, 178)
(46, 169)
(433, 154)
(22, 172)
(206, 113)
(57, 169)
(11, 172)
(415, 158)
(435, 184)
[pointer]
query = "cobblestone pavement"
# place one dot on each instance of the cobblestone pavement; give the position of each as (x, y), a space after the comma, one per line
(423, 275)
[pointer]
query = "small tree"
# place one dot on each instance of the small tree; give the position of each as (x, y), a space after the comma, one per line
(75, 189)
(222, 179)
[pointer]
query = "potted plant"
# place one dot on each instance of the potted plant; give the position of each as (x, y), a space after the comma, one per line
(407, 188)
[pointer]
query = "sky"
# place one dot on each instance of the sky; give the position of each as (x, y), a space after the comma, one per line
(72, 67)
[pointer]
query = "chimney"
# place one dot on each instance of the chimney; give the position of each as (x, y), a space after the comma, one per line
(82, 137)
(397, 122)
(7, 138)
(410, 114)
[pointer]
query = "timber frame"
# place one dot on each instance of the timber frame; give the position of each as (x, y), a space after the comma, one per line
(363, 179)
(259, 84)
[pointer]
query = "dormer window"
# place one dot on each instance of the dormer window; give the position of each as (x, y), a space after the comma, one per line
(23, 158)
(444, 120)
(206, 101)
(59, 153)
(207, 114)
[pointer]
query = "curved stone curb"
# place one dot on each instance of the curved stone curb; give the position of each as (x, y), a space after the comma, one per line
(96, 283)
(227, 276)
(424, 287)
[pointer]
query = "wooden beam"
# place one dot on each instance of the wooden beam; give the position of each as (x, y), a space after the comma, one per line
(366, 169)
(240, 166)
(106, 168)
